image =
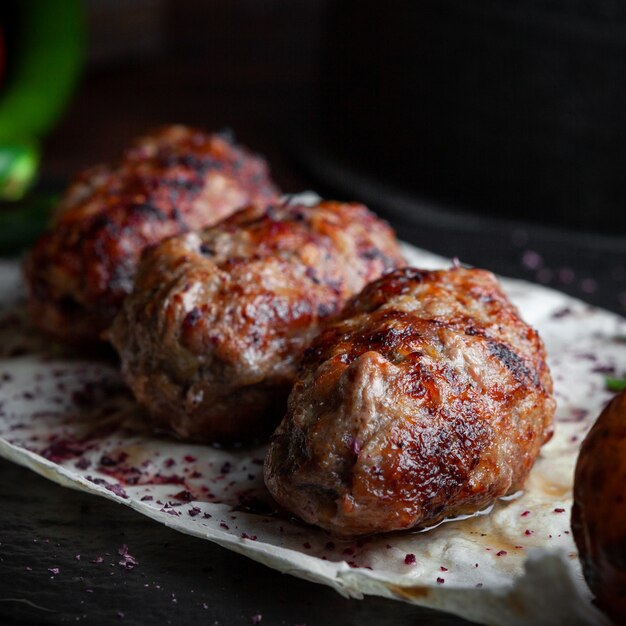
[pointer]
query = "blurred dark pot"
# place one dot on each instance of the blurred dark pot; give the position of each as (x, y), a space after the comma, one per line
(515, 109)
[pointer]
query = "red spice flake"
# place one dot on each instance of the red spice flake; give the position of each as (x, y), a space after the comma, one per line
(169, 462)
(62, 449)
(307, 545)
(223, 525)
(206, 516)
(475, 564)
(225, 469)
(82, 464)
(256, 619)
(559, 510)
(525, 513)
(183, 496)
(127, 561)
(443, 569)
(519, 547)
(169, 511)
(441, 580)
(577, 415)
(147, 498)
(566, 275)
(117, 489)
(349, 551)
(192, 512)
(588, 285)
(160, 479)
(54, 570)
(188, 458)
(532, 260)
(501, 553)
(409, 559)
(247, 536)
(528, 533)
(195, 474)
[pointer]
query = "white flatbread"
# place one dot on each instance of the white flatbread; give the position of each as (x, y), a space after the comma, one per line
(69, 420)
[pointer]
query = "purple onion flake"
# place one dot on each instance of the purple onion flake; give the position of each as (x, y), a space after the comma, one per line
(127, 561)
(532, 260)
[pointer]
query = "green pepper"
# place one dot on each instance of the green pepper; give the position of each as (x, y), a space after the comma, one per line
(44, 68)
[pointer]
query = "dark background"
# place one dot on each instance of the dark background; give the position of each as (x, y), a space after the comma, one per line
(473, 126)
(492, 131)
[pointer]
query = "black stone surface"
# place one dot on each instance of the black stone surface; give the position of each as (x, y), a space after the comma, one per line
(178, 579)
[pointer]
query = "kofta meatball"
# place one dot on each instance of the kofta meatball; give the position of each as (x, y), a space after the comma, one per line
(211, 337)
(173, 180)
(429, 398)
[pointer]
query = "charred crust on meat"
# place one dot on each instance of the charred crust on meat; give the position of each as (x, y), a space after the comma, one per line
(99, 231)
(514, 363)
(445, 389)
(231, 309)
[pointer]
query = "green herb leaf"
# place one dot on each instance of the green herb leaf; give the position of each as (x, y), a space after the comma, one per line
(615, 384)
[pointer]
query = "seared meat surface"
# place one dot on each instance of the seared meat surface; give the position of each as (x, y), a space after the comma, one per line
(430, 398)
(173, 180)
(212, 335)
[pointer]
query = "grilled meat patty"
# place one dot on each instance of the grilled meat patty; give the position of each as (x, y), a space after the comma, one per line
(212, 335)
(173, 180)
(430, 398)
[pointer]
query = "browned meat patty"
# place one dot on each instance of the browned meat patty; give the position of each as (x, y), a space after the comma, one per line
(212, 335)
(173, 180)
(429, 399)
